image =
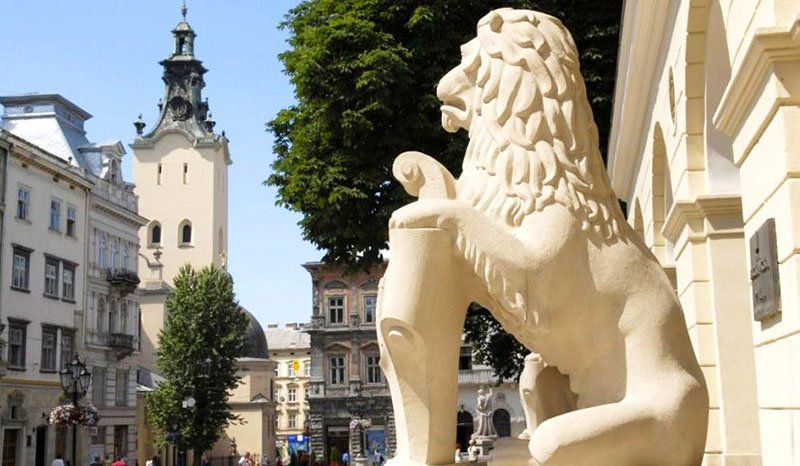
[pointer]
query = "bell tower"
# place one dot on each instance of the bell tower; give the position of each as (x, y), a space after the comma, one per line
(180, 168)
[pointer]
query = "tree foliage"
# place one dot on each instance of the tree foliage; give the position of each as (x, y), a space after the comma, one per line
(365, 75)
(203, 335)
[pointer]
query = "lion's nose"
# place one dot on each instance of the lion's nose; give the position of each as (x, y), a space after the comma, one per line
(449, 85)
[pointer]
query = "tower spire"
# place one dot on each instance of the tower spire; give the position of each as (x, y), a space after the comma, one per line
(184, 10)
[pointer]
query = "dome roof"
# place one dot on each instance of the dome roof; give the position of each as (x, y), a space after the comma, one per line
(257, 341)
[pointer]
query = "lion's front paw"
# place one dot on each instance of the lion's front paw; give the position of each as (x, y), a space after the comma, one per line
(430, 213)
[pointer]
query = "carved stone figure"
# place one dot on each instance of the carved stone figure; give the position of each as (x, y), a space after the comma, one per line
(485, 427)
(544, 393)
(532, 231)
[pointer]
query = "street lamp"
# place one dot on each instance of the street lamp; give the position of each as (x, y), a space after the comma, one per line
(75, 381)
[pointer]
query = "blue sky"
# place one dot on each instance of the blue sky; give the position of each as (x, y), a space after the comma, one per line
(103, 56)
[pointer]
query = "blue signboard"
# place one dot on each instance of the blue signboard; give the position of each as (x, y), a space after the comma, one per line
(376, 442)
(298, 442)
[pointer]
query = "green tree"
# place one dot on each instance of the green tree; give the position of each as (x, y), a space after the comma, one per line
(365, 75)
(203, 336)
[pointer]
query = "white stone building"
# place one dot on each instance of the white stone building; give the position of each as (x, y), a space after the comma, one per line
(41, 290)
(704, 150)
(108, 323)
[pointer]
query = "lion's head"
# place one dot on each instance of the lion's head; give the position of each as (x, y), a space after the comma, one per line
(519, 92)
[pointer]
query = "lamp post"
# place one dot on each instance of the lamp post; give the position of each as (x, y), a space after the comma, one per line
(75, 381)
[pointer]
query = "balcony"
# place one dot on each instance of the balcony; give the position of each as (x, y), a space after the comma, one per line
(122, 280)
(121, 344)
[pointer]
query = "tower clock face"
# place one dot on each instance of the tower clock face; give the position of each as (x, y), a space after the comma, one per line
(181, 109)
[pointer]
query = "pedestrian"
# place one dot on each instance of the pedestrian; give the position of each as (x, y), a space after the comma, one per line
(204, 461)
(279, 462)
(264, 460)
(96, 462)
(245, 460)
(345, 458)
(119, 462)
(58, 461)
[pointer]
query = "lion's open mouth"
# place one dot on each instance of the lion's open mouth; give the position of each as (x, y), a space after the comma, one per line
(454, 115)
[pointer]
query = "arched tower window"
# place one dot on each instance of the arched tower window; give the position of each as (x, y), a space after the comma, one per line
(155, 234)
(185, 232)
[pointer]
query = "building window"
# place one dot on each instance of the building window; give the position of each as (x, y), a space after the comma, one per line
(49, 335)
(51, 277)
(307, 368)
(336, 364)
(124, 261)
(55, 215)
(99, 438)
(67, 347)
(68, 273)
(292, 395)
(186, 232)
(290, 369)
(113, 315)
(121, 389)
(158, 175)
(23, 203)
(99, 386)
(101, 314)
(465, 359)
(22, 265)
(101, 251)
(123, 318)
(370, 302)
(336, 309)
(71, 221)
(373, 369)
(292, 421)
(112, 260)
(120, 441)
(16, 344)
(155, 234)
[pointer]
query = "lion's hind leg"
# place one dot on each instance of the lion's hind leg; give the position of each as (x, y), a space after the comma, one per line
(628, 433)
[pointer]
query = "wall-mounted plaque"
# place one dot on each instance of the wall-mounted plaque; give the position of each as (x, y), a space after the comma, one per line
(764, 278)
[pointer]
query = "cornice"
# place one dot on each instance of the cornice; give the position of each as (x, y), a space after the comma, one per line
(695, 214)
(767, 47)
(119, 212)
(639, 51)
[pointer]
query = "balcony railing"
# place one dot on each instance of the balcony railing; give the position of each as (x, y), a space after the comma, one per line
(125, 281)
(120, 344)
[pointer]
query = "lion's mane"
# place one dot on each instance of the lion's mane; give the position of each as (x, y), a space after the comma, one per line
(533, 141)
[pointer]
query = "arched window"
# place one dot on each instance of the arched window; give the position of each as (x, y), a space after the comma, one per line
(112, 316)
(101, 314)
(155, 234)
(124, 261)
(502, 422)
(123, 318)
(185, 232)
(113, 259)
(464, 427)
(101, 251)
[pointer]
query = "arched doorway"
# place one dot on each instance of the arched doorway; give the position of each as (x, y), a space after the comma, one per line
(502, 423)
(464, 428)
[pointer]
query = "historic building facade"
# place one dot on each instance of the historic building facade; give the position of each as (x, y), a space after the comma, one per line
(704, 150)
(41, 289)
(290, 348)
(180, 169)
(102, 283)
(346, 382)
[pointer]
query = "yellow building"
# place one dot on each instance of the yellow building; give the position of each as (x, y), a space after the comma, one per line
(290, 348)
(180, 169)
(704, 149)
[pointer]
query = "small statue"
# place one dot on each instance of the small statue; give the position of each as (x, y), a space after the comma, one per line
(484, 408)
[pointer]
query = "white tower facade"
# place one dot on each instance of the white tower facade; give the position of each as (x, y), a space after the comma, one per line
(180, 169)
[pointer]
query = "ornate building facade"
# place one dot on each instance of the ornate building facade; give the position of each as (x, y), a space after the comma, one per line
(100, 284)
(290, 348)
(346, 382)
(704, 151)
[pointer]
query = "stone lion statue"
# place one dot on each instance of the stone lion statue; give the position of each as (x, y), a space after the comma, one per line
(532, 231)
